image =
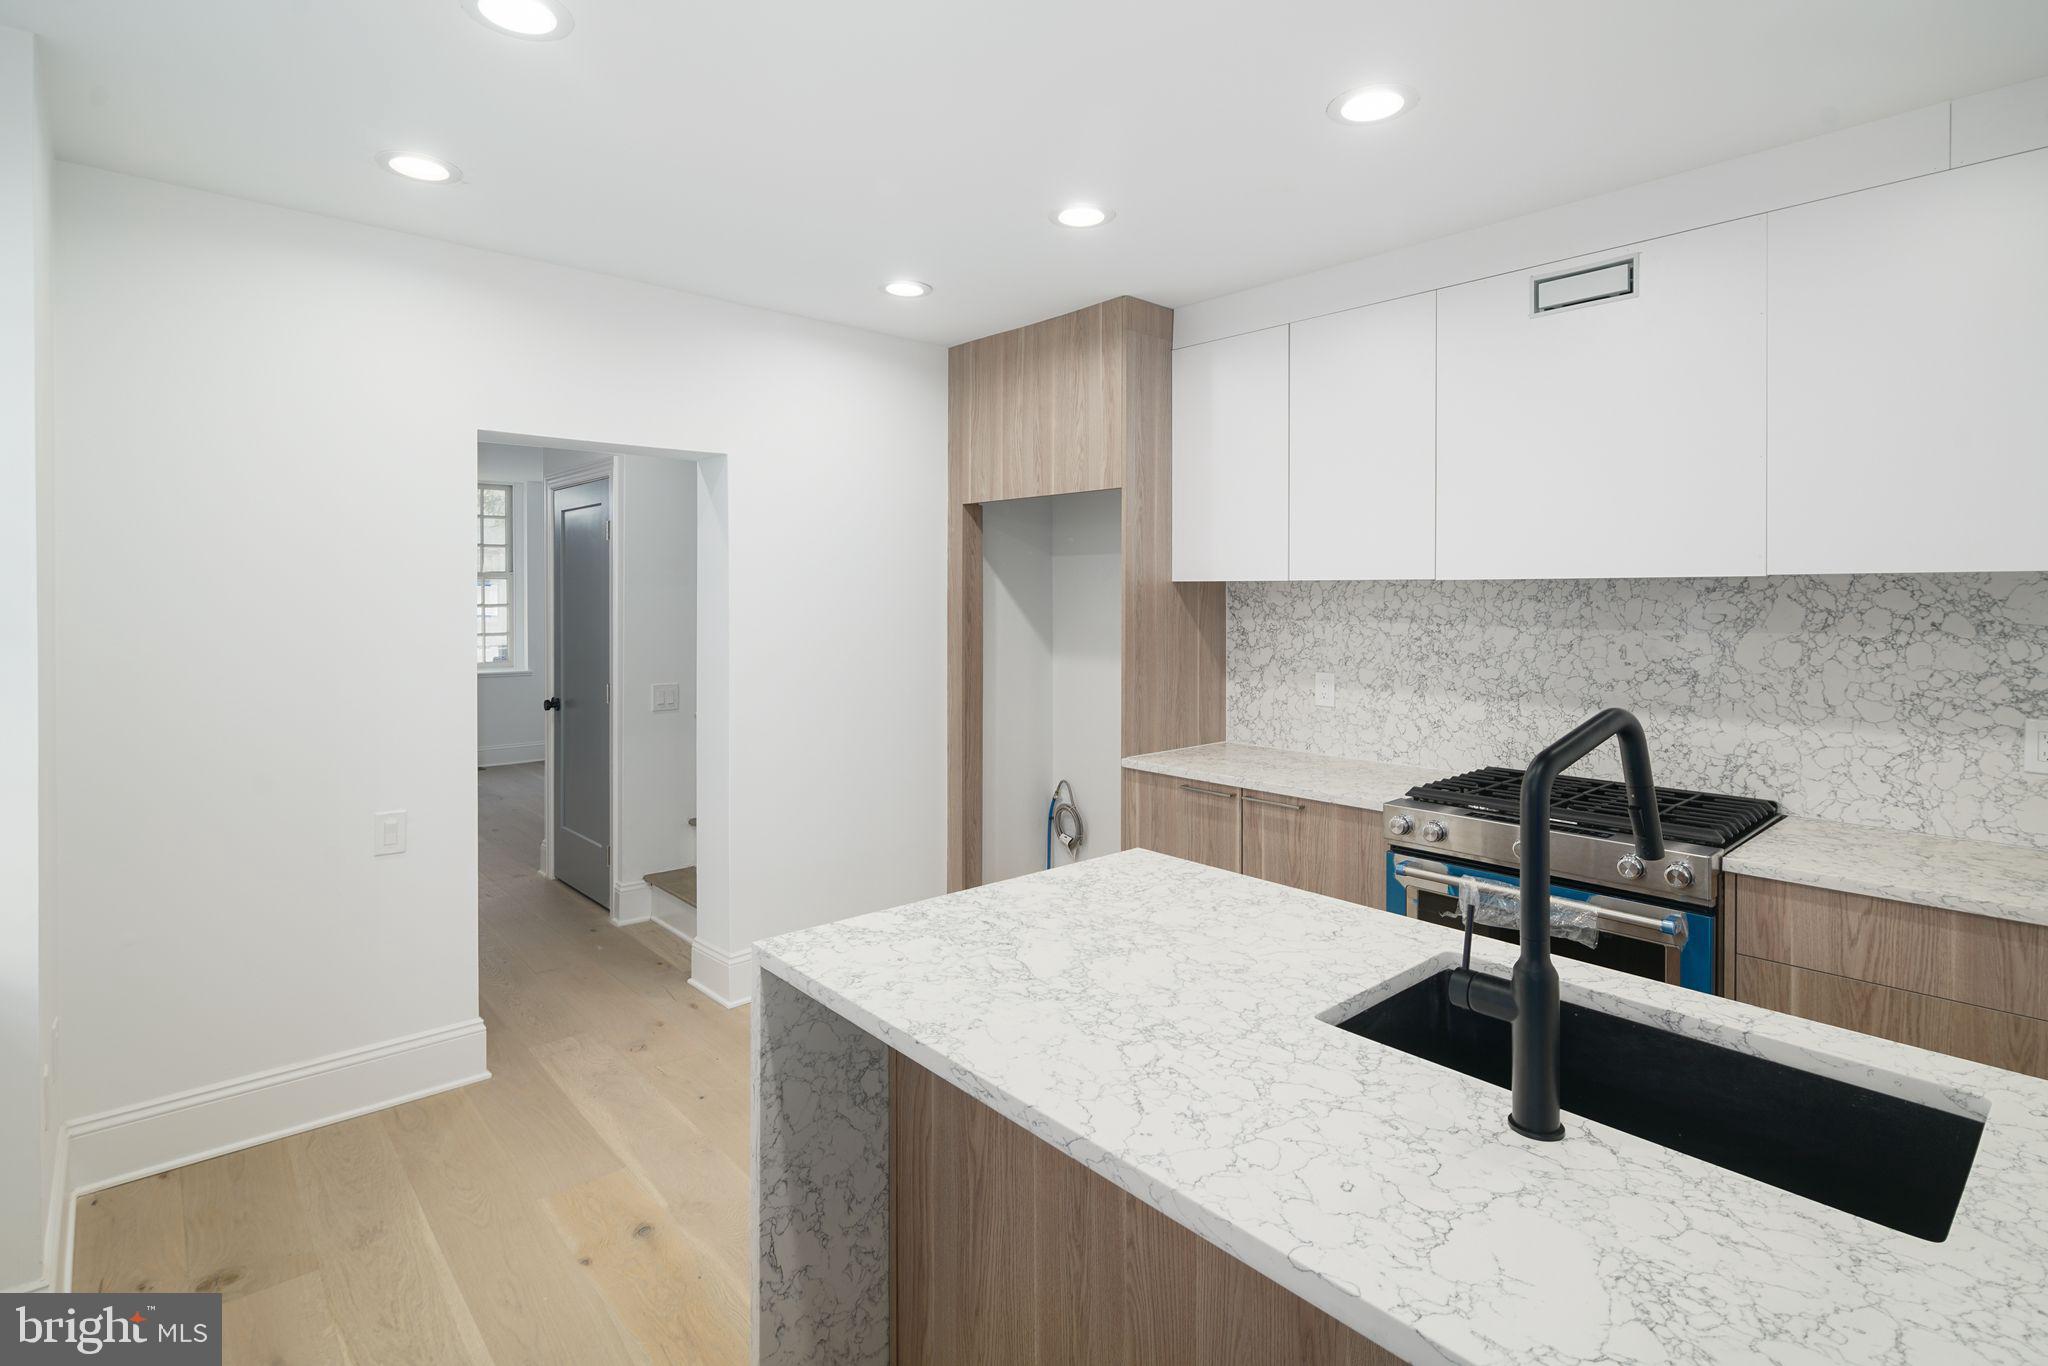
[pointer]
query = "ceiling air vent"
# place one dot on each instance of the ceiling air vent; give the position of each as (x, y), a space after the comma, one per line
(1586, 285)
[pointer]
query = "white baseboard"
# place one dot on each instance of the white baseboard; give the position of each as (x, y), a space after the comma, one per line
(58, 1214)
(493, 756)
(135, 1141)
(727, 978)
(675, 915)
(632, 902)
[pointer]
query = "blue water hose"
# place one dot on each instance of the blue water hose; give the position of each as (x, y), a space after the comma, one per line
(1050, 807)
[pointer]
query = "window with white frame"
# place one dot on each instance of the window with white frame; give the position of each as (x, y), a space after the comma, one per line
(497, 633)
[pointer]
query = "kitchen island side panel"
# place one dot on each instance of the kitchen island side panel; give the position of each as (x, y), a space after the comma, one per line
(821, 1183)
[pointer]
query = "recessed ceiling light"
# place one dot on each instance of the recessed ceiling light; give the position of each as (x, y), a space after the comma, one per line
(907, 289)
(419, 166)
(1370, 104)
(1082, 216)
(523, 18)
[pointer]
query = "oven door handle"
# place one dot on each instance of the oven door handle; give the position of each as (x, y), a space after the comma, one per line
(1629, 919)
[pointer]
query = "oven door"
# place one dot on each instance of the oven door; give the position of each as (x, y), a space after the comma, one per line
(1637, 950)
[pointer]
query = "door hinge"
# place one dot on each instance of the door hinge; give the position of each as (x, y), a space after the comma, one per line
(607, 528)
(607, 694)
(607, 856)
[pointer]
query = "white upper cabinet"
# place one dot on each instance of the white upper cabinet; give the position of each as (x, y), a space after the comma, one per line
(1616, 438)
(1230, 458)
(1362, 445)
(1909, 375)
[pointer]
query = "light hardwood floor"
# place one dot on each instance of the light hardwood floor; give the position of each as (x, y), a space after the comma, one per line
(587, 1204)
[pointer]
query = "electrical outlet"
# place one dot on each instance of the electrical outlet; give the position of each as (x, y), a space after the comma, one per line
(1326, 690)
(2034, 758)
(387, 833)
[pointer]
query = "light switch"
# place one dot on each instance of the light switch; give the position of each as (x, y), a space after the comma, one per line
(387, 833)
(1326, 690)
(2035, 757)
(668, 697)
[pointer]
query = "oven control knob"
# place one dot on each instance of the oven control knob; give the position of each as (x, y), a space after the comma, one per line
(1629, 866)
(1400, 825)
(1679, 875)
(1434, 832)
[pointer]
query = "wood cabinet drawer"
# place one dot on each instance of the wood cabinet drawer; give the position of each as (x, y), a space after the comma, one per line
(1978, 960)
(1999, 1038)
(1195, 821)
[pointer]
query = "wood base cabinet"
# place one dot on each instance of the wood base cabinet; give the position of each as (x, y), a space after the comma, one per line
(1971, 986)
(1004, 1251)
(1318, 847)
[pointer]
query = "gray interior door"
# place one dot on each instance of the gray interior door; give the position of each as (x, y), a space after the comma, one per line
(583, 655)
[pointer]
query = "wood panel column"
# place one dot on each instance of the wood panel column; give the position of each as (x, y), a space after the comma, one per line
(1073, 404)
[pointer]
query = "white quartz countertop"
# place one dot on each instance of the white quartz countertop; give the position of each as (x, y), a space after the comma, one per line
(1972, 876)
(1292, 773)
(1930, 870)
(1167, 1025)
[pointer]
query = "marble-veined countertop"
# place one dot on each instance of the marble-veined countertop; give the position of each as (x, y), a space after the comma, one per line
(1973, 876)
(1287, 772)
(1168, 1025)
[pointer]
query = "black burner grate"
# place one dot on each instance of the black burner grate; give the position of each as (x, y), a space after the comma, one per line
(1600, 806)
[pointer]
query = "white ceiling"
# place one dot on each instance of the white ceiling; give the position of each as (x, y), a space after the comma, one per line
(796, 154)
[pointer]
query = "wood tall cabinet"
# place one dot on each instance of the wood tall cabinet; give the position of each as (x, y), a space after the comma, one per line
(1969, 985)
(1070, 405)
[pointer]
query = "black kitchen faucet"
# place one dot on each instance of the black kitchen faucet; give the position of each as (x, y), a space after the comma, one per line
(1528, 1002)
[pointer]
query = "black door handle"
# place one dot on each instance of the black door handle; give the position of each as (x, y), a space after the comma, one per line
(551, 704)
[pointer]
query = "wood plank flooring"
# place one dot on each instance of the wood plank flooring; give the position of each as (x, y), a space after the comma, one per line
(587, 1204)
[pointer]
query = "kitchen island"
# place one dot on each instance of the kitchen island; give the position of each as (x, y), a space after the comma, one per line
(1172, 1029)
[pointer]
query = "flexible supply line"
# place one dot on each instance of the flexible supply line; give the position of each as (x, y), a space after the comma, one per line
(1056, 815)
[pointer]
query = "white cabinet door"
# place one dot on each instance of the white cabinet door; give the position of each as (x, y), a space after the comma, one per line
(1230, 458)
(1617, 439)
(1909, 375)
(1362, 443)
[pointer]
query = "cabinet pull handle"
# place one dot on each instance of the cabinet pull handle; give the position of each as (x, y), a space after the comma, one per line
(1206, 791)
(1268, 801)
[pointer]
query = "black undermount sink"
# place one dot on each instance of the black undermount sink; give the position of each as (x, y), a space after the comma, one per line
(1891, 1161)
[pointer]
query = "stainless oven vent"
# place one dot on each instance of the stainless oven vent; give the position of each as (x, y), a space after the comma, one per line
(1587, 285)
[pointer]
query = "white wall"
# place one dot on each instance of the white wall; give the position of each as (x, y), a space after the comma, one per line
(1052, 601)
(215, 848)
(655, 511)
(24, 432)
(508, 714)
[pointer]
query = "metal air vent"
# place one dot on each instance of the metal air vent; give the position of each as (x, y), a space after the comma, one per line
(1586, 285)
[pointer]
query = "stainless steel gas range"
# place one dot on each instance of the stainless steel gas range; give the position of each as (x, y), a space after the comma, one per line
(1460, 837)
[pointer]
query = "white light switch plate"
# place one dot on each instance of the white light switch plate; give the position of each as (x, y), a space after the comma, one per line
(1326, 690)
(668, 697)
(2035, 757)
(387, 833)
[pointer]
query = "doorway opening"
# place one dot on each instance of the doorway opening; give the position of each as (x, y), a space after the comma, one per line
(600, 582)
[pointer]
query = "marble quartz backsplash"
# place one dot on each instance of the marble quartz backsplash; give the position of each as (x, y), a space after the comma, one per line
(1888, 700)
